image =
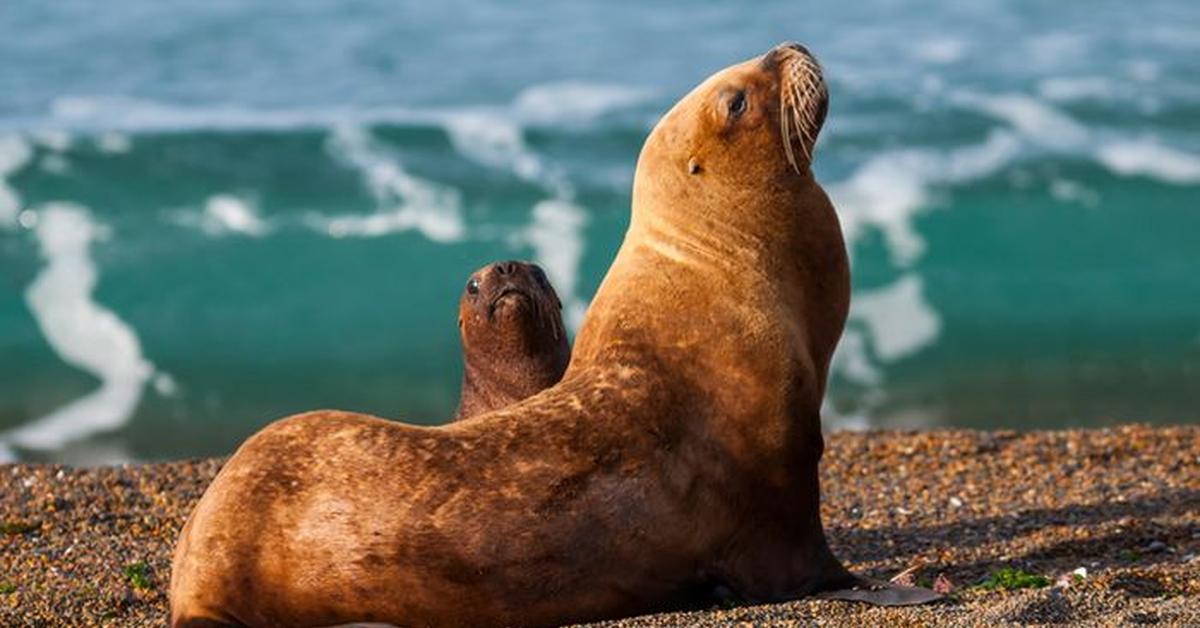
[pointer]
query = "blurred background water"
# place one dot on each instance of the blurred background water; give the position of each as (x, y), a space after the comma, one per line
(217, 213)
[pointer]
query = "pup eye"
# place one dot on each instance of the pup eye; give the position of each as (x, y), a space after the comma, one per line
(473, 287)
(737, 104)
(540, 275)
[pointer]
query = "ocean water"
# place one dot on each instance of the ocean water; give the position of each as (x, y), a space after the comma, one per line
(214, 214)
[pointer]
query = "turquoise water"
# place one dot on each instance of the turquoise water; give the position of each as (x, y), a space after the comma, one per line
(215, 214)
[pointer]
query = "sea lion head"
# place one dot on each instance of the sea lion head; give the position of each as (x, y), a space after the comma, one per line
(751, 127)
(728, 221)
(510, 319)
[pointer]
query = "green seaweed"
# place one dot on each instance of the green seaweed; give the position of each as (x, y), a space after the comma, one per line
(138, 575)
(7, 587)
(1010, 579)
(14, 528)
(1131, 555)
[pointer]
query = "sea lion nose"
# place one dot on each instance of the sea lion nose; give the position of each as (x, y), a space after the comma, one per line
(771, 59)
(797, 46)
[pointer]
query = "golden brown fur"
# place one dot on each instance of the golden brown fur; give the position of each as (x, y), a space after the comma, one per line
(679, 451)
(513, 339)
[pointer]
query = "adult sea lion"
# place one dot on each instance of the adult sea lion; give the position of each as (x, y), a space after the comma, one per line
(678, 453)
(513, 339)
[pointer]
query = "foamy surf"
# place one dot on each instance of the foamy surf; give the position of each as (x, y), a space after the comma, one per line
(555, 232)
(891, 189)
(574, 103)
(556, 235)
(225, 214)
(82, 333)
(15, 152)
(1146, 156)
(568, 103)
(404, 202)
(898, 318)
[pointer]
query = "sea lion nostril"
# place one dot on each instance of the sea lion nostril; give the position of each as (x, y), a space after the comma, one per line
(771, 59)
(774, 55)
(506, 268)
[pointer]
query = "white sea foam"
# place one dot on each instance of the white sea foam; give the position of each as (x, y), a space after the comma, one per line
(490, 136)
(54, 140)
(14, 154)
(1069, 191)
(1066, 89)
(1036, 121)
(1041, 125)
(495, 138)
(887, 193)
(404, 202)
(225, 213)
(113, 143)
(1142, 70)
(131, 114)
(1054, 49)
(574, 102)
(569, 103)
(853, 360)
(885, 325)
(82, 332)
(890, 189)
(1146, 156)
(557, 240)
(897, 316)
(940, 50)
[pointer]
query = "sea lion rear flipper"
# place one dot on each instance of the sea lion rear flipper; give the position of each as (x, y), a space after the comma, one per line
(881, 593)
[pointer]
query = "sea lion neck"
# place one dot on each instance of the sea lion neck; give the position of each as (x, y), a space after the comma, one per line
(491, 384)
(739, 228)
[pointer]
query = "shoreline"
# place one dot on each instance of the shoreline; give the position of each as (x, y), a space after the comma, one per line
(92, 545)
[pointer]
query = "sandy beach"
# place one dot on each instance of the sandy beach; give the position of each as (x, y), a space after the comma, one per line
(1100, 527)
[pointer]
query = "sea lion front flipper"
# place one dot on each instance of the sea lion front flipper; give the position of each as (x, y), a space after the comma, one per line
(881, 593)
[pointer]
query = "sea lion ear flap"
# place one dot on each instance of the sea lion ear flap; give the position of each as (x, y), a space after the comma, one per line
(881, 593)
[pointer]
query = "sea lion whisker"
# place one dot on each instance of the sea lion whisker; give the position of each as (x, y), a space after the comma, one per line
(785, 113)
(802, 123)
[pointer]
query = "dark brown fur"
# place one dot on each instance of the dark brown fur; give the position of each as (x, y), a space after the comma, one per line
(513, 339)
(679, 451)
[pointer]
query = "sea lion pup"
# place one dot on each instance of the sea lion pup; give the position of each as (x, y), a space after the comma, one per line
(513, 339)
(678, 454)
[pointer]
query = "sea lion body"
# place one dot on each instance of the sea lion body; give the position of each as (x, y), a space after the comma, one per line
(513, 338)
(678, 453)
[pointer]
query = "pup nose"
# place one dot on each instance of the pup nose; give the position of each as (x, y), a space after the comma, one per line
(507, 268)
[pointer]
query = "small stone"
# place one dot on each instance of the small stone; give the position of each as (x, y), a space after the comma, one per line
(1156, 546)
(1074, 577)
(955, 502)
(942, 585)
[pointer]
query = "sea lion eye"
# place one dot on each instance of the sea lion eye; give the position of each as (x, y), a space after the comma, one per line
(737, 104)
(473, 286)
(540, 275)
